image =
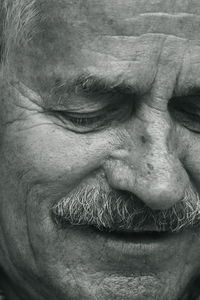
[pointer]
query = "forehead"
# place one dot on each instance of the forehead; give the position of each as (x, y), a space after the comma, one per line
(114, 39)
(128, 17)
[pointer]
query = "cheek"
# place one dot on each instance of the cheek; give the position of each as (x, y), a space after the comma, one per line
(39, 156)
(192, 160)
(49, 153)
(38, 166)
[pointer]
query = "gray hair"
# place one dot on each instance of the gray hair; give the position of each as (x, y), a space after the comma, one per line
(114, 210)
(17, 24)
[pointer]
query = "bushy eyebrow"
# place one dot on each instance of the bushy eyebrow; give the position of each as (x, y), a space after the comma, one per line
(86, 84)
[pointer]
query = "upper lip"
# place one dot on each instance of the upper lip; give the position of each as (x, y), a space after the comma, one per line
(146, 229)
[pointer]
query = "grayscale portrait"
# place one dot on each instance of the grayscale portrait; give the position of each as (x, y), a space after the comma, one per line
(99, 149)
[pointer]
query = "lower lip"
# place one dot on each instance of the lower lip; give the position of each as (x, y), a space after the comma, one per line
(137, 244)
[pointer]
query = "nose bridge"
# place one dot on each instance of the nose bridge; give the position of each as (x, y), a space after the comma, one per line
(157, 156)
(155, 127)
(154, 131)
(150, 167)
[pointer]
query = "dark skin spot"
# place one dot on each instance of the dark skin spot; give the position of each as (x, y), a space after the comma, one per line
(143, 139)
(149, 166)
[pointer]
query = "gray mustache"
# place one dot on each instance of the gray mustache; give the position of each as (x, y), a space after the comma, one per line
(122, 211)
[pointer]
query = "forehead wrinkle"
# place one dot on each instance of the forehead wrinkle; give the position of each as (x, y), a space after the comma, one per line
(171, 6)
(183, 25)
(125, 18)
(55, 41)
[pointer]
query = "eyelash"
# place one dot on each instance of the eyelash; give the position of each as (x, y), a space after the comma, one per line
(84, 122)
(96, 120)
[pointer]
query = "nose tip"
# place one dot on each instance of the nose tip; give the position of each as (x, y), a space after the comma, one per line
(162, 193)
(159, 189)
(164, 185)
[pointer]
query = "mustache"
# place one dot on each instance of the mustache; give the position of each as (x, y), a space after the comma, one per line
(122, 211)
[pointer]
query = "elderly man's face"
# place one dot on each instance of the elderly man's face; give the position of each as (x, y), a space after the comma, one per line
(101, 128)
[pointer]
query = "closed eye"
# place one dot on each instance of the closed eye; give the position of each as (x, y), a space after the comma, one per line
(92, 121)
(186, 112)
(79, 119)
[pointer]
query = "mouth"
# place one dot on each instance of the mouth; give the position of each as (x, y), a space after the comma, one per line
(141, 243)
(142, 249)
(138, 236)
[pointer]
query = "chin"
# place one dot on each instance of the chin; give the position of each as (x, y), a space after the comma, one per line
(134, 288)
(120, 287)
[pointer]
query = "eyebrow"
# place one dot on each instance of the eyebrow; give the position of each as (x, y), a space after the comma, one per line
(86, 84)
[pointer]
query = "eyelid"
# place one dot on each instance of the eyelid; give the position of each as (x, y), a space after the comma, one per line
(188, 119)
(83, 124)
(84, 114)
(83, 104)
(91, 113)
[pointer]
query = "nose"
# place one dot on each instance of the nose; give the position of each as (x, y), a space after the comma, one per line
(147, 165)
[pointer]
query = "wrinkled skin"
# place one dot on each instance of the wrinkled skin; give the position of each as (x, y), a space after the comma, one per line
(154, 48)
